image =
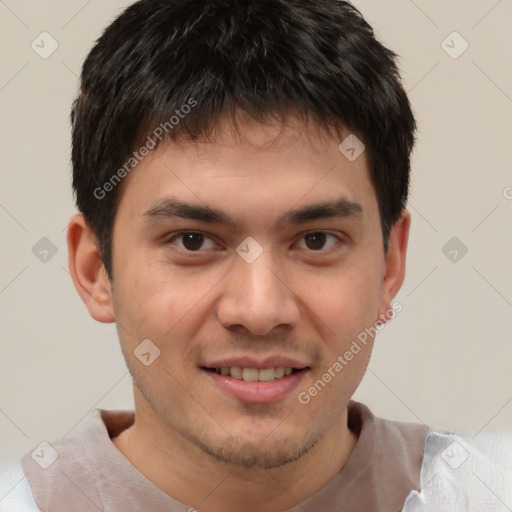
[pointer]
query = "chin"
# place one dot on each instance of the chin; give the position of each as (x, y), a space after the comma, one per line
(262, 455)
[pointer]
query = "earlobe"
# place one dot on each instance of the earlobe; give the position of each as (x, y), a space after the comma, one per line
(87, 270)
(394, 271)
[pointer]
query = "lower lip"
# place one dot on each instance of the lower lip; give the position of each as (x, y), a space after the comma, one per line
(258, 392)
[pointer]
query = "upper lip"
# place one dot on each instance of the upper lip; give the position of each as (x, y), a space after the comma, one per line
(259, 363)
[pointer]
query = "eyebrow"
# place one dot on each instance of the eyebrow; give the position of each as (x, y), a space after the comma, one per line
(169, 208)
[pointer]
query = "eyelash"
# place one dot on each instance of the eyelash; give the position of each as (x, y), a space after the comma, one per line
(171, 239)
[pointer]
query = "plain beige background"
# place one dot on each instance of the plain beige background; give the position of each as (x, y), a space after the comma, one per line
(445, 360)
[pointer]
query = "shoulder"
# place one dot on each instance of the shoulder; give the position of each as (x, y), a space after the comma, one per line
(462, 473)
(15, 492)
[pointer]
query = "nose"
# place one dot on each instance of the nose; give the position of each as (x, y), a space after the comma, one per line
(258, 296)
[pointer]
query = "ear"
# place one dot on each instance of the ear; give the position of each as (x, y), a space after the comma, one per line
(87, 270)
(394, 271)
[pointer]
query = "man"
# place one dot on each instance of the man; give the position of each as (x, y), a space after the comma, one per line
(241, 169)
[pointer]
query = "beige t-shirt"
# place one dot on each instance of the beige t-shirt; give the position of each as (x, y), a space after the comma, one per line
(87, 473)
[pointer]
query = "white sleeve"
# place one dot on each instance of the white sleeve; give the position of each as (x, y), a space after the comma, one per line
(15, 492)
(461, 474)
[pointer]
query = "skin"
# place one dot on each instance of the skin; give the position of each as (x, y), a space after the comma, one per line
(198, 444)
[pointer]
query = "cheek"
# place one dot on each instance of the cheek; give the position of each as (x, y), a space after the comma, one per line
(142, 303)
(348, 295)
(157, 301)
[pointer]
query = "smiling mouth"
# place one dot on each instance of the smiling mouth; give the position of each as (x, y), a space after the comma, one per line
(255, 374)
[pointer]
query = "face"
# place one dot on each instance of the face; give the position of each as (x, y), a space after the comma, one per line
(252, 263)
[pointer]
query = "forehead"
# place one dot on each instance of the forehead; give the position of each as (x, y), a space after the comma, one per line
(252, 169)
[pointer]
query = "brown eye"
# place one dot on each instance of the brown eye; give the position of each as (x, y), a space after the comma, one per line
(316, 241)
(192, 241)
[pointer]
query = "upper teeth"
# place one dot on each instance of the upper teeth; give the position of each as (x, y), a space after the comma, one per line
(255, 374)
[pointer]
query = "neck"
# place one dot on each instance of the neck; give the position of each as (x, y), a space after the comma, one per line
(193, 477)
